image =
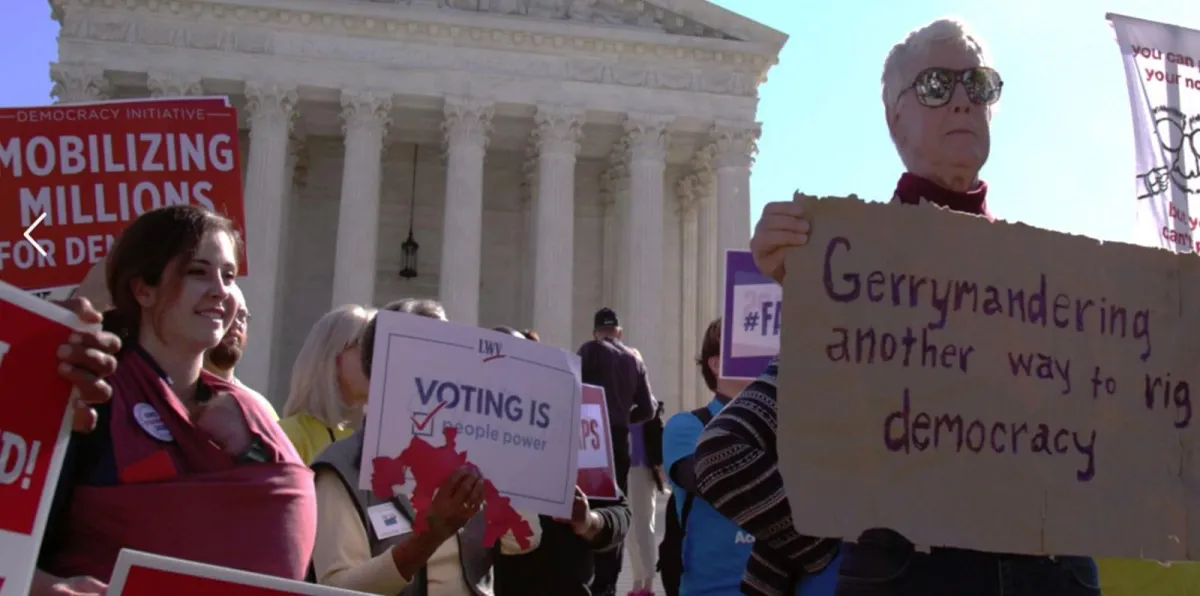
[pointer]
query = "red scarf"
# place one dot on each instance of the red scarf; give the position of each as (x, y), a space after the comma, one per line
(912, 188)
(184, 497)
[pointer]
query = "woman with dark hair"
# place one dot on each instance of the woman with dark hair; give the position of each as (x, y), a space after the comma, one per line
(181, 463)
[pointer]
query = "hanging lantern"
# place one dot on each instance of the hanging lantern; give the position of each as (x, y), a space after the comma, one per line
(409, 260)
(410, 246)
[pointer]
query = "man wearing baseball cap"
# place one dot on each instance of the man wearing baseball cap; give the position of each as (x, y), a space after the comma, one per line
(619, 369)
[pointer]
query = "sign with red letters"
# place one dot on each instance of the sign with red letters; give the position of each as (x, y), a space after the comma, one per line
(143, 574)
(73, 176)
(597, 472)
(34, 429)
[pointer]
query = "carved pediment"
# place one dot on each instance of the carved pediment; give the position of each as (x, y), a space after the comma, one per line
(633, 14)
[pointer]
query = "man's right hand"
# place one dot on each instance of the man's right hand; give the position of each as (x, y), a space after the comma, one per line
(782, 225)
(457, 501)
(46, 585)
(86, 358)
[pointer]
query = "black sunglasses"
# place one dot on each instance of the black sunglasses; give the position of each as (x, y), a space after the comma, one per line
(935, 87)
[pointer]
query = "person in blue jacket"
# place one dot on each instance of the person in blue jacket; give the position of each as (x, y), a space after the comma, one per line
(715, 550)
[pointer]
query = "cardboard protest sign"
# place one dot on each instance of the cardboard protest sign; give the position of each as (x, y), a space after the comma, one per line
(143, 574)
(751, 321)
(989, 385)
(34, 427)
(444, 395)
(75, 175)
(597, 471)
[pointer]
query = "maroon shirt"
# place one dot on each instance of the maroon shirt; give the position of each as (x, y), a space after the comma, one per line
(912, 188)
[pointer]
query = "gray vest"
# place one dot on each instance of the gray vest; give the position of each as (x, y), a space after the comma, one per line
(344, 457)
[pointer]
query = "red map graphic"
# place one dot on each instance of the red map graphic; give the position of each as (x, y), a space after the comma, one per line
(431, 466)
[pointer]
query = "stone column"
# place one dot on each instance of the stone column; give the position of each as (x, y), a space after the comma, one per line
(294, 184)
(270, 109)
(648, 137)
(466, 128)
(172, 85)
(616, 248)
(295, 181)
(708, 259)
(737, 142)
(557, 136)
(608, 230)
(77, 83)
(686, 194)
(365, 118)
(529, 174)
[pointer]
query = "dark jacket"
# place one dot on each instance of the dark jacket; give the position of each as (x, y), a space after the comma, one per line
(563, 563)
(613, 366)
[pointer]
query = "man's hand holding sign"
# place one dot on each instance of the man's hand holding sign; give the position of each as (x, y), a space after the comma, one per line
(1040, 376)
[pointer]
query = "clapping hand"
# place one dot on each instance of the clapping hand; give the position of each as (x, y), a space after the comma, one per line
(458, 500)
(582, 522)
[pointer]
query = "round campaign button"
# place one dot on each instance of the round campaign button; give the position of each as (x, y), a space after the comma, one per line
(147, 418)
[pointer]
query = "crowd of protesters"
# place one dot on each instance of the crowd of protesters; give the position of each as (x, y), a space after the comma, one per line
(163, 419)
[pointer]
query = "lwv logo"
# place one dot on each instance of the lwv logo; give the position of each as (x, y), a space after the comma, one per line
(490, 350)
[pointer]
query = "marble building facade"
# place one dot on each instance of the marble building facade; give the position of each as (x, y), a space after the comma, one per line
(565, 155)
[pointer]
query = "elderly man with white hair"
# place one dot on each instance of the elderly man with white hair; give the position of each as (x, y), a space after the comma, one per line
(221, 359)
(938, 96)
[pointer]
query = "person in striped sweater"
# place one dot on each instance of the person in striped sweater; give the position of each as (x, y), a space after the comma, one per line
(736, 472)
(938, 94)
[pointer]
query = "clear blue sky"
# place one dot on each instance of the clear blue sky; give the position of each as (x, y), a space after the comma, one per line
(1062, 154)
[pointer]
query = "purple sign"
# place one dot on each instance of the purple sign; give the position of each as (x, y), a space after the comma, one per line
(751, 320)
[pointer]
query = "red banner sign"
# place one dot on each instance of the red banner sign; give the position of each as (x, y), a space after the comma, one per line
(145, 581)
(142, 574)
(33, 439)
(74, 176)
(597, 472)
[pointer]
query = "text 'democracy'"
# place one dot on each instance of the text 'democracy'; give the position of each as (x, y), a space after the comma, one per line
(988, 385)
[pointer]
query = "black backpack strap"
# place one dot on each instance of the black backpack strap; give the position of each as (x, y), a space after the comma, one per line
(687, 509)
(705, 417)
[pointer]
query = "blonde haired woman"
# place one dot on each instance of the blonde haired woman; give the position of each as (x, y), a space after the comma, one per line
(329, 388)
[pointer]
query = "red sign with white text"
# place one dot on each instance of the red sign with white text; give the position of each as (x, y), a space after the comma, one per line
(83, 172)
(145, 581)
(597, 472)
(143, 574)
(33, 404)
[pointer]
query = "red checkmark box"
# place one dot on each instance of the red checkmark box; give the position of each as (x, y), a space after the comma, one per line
(419, 425)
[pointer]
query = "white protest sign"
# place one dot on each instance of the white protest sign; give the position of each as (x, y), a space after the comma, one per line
(752, 318)
(511, 406)
(1163, 80)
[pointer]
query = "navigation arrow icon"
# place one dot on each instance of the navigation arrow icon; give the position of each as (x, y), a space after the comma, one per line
(29, 231)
